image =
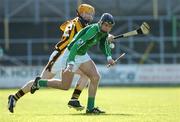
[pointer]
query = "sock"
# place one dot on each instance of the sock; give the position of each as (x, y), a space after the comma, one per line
(18, 95)
(90, 104)
(42, 83)
(76, 94)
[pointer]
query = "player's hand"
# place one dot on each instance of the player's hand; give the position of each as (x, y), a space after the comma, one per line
(110, 38)
(111, 62)
(112, 45)
(69, 68)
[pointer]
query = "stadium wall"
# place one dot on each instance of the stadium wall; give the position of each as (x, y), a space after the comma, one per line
(17, 76)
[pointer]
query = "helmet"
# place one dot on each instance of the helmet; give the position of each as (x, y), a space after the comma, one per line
(106, 17)
(86, 8)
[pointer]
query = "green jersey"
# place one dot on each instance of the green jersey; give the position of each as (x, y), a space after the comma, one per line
(85, 39)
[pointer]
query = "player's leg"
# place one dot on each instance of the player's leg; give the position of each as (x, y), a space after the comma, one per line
(91, 71)
(66, 77)
(64, 84)
(81, 84)
(12, 99)
(46, 74)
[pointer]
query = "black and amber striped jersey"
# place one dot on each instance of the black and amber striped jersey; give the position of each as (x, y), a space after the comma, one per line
(69, 28)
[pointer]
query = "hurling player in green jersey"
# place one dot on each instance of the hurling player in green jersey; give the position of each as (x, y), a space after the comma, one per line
(76, 57)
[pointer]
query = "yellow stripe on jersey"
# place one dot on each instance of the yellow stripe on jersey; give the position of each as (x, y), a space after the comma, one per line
(70, 28)
(64, 45)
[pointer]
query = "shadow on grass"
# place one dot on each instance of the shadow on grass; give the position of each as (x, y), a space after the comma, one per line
(84, 114)
(107, 114)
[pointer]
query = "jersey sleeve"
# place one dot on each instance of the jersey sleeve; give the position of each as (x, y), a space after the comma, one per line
(90, 33)
(68, 32)
(105, 48)
(67, 36)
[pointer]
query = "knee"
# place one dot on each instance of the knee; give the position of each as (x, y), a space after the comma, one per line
(96, 77)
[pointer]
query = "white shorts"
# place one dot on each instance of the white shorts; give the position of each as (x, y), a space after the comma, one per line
(61, 62)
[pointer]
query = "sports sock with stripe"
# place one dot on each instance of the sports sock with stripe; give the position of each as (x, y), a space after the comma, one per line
(19, 94)
(76, 94)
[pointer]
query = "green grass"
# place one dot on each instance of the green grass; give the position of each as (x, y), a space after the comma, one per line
(122, 104)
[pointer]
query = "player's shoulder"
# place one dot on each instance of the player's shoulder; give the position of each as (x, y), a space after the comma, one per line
(69, 24)
(76, 22)
(94, 26)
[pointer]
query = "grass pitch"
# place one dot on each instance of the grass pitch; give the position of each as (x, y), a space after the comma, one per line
(122, 104)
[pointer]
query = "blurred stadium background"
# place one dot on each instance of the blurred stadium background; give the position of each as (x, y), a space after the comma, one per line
(29, 29)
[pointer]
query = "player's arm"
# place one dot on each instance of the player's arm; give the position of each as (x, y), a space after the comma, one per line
(91, 32)
(105, 48)
(67, 31)
(68, 34)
